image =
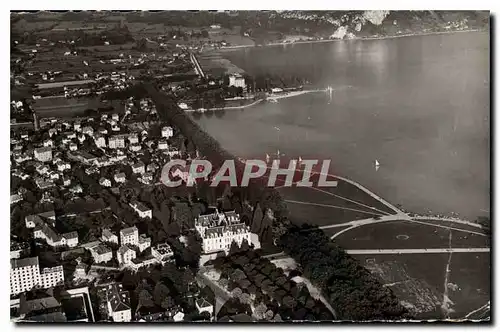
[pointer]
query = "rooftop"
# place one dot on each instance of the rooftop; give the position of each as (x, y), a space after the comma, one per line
(129, 230)
(19, 263)
(140, 206)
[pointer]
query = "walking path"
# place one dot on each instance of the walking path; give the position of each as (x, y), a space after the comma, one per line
(413, 251)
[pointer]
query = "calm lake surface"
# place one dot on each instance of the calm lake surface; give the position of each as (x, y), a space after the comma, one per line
(419, 105)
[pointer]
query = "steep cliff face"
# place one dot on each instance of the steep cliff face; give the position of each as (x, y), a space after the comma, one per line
(373, 23)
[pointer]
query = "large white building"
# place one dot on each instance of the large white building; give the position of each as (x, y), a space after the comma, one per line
(237, 80)
(129, 235)
(50, 277)
(25, 274)
(53, 239)
(220, 229)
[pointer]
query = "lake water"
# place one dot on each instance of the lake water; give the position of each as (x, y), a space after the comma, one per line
(419, 105)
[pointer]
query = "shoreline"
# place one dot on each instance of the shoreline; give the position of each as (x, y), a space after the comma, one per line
(236, 47)
(258, 101)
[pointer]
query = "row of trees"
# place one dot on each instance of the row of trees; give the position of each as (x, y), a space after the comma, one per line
(254, 280)
(350, 288)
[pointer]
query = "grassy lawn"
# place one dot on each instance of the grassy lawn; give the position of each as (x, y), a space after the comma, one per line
(416, 279)
(385, 236)
(470, 272)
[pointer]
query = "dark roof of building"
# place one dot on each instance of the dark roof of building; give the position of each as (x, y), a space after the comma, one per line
(49, 232)
(118, 297)
(123, 249)
(41, 304)
(129, 230)
(140, 206)
(43, 149)
(203, 303)
(101, 249)
(106, 233)
(19, 263)
(53, 317)
(70, 235)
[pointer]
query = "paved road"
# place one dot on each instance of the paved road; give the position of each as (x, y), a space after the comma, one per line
(197, 65)
(413, 251)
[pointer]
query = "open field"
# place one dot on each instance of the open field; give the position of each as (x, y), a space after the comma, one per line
(470, 278)
(406, 235)
(67, 108)
(418, 280)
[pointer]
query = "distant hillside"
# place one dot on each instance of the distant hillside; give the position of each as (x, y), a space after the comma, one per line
(271, 25)
(353, 24)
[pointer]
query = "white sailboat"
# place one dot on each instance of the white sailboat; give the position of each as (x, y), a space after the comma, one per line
(377, 165)
(267, 158)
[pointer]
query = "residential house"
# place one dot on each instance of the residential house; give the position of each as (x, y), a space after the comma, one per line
(116, 142)
(43, 154)
(163, 144)
(101, 254)
(142, 210)
(133, 139)
(135, 147)
(167, 132)
(53, 239)
(108, 236)
(88, 130)
(117, 302)
(105, 182)
(100, 141)
(125, 255)
(144, 242)
(120, 177)
(129, 235)
(203, 305)
(162, 252)
(138, 168)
